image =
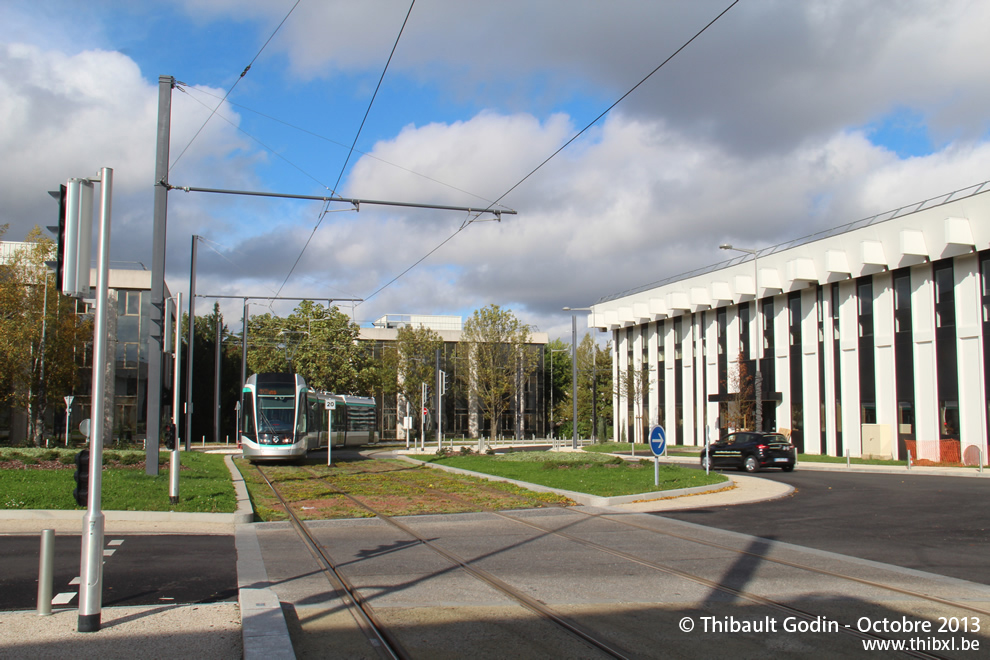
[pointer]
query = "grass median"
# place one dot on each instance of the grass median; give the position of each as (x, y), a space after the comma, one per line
(591, 473)
(43, 479)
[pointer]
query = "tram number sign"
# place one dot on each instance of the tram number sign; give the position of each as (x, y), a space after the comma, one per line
(658, 440)
(331, 404)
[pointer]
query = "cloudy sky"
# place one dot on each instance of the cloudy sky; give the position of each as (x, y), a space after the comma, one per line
(781, 119)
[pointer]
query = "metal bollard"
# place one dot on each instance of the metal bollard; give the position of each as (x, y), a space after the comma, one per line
(173, 482)
(45, 572)
(909, 459)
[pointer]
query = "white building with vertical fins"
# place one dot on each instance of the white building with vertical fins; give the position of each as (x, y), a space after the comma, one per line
(873, 339)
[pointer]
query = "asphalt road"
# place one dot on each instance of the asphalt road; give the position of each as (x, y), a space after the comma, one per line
(142, 569)
(930, 523)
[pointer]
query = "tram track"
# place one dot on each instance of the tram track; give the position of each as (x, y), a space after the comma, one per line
(508, 590)
(592, 638)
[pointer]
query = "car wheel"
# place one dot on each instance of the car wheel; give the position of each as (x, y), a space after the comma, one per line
(750, 464)
(788, 468)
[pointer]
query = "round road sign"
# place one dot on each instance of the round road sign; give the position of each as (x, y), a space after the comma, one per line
(658, 440)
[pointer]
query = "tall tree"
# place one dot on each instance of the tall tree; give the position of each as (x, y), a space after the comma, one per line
(204, 372)
(557, 383)
(495, 341)
(317, 342)
(417, 348)
(40, 334)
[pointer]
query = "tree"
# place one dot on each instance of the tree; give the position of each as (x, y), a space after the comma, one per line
(557, 382)
(499, 361)
(40, 334)
(739, 413)
(317, 342)
(633, 385)
(594, 391)
(204, 372)
(417, 348)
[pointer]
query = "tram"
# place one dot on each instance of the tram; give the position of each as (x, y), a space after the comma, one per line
(282, 419)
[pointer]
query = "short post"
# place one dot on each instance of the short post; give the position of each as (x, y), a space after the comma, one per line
(45, 572)
(909, 459)
(173, 482)
(847, 456)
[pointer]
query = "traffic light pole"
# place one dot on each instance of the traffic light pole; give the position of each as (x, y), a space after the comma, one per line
(91, 559)
(173, 479)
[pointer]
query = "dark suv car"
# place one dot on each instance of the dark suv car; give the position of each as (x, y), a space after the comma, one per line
(750, 451)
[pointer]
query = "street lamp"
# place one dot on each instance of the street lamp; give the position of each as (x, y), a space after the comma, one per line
(574, 443)
(759, 329)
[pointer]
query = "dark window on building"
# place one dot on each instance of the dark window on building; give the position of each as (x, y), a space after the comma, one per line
(797, 383)
(904, 361)
(837, 369)
(867, 364)
(822, 417)
(661, 375)
(678, 381)
(985, 305)
(945, 350)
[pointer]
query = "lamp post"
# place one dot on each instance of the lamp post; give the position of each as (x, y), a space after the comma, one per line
(574, 443)
(758, 386)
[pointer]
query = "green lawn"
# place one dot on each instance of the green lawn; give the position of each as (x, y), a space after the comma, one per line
(590, 473)
(204, 482)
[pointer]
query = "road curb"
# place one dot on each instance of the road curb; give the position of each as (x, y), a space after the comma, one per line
(244, 513)
(582, 498)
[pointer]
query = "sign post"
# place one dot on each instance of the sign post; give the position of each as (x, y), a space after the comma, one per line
(658, 444)
(331, 405)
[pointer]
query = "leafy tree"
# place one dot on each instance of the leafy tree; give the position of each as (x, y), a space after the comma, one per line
(633, 385)
(500, 361)
(40, 334)
(594, 392)
(204, 375)
(557, 382)
(317, 342)
(741, 408)
(417, 348)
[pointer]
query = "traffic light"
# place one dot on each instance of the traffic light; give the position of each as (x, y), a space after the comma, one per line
(169, 436)
(59, 231)
(443, 382)
(81, 492)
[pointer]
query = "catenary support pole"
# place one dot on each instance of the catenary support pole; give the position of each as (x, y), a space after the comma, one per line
(216, 383)
(192, 338)
(156, 317)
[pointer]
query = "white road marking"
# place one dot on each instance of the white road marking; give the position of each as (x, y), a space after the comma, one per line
(64, 598)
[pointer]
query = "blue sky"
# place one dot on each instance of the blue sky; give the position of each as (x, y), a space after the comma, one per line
(782, 119)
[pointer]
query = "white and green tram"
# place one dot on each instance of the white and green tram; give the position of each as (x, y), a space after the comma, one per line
(283, 419)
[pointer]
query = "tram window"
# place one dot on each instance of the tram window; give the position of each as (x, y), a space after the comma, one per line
(247, 423)
(360, 418)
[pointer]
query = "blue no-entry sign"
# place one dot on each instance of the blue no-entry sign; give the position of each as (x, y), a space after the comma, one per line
(658, 440)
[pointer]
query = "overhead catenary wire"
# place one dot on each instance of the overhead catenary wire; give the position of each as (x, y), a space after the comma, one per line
(326, 205)
(562, 147)
(191, 91)
(243, 73)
